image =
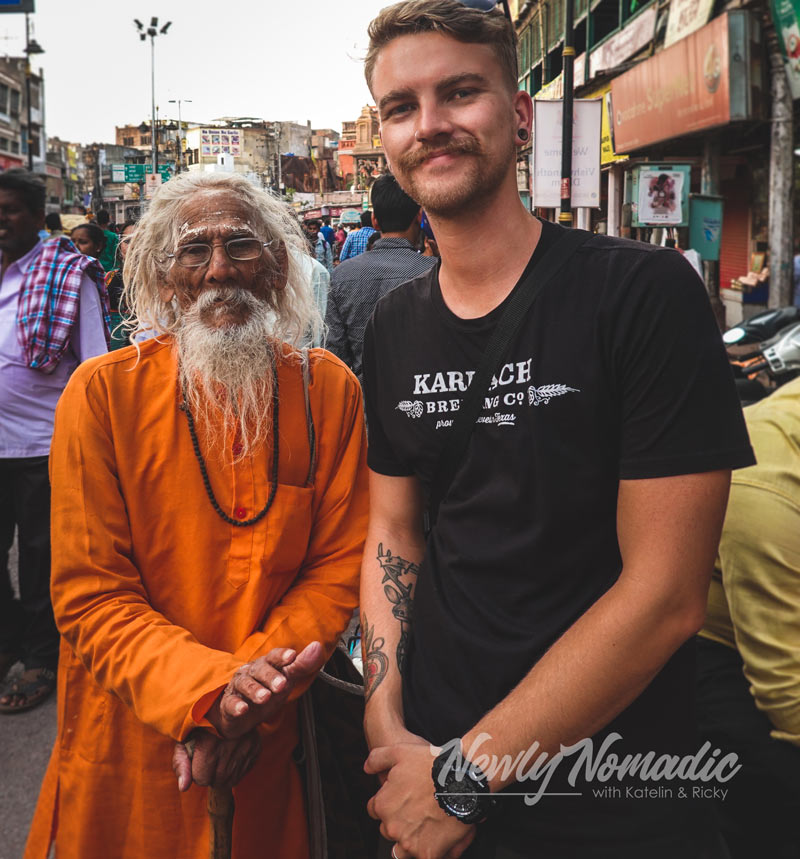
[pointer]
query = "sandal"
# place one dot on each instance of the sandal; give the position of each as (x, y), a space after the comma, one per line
(27, 691)
(7, 659)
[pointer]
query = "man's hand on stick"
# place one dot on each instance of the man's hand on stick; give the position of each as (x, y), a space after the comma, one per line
(210, 761)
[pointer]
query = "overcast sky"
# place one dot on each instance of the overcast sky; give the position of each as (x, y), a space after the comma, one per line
(273, 59)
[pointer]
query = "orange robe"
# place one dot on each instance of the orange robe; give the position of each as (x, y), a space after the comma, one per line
(159, 601)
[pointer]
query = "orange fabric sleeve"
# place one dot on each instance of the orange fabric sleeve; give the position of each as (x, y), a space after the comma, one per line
(101, 607)
(320, 603)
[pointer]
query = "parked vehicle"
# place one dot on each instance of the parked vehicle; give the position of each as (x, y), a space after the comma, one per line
(776, 356)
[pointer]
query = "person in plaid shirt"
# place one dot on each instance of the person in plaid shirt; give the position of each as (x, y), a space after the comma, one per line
(356, 242)
(53, 315)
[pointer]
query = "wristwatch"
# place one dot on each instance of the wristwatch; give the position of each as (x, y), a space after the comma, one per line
(461, 788)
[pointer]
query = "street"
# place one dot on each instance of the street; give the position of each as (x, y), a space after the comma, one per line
(25, 743)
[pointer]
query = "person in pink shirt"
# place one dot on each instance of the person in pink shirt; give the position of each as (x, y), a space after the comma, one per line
(53, 315)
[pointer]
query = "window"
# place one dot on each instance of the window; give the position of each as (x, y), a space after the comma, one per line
(536, 39)
(524, 52)
(15, 99)
(127, 141)
(5, 144)
(15, 147)
(144, 140)
(4, 98)
(34, 96)
(581, 7)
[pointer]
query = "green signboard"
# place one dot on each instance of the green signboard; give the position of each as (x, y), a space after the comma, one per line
(785, 14)
(138, 172)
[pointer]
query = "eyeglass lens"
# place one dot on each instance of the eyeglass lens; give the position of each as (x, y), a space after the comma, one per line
(237, 249)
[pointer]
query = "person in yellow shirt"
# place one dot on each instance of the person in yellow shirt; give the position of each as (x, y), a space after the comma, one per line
(209, 511)
(749, 648)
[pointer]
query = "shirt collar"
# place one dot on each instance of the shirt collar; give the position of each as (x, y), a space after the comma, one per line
(23, 262)
(393, 243)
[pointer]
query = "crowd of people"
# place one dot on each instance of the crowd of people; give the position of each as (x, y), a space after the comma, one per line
(234, 445)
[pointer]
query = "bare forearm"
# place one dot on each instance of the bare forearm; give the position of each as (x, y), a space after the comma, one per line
(388, 580)
(593, 672)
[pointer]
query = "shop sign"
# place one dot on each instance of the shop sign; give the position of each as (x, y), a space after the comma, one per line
(52, 170)
(682, 89)
(607, 154)
(586, 121)
(623, 45)
(7, 163)
(785, 14)
(686, 16)
(555, 89)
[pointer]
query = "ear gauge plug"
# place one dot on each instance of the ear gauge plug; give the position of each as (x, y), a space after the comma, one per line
(522, 133)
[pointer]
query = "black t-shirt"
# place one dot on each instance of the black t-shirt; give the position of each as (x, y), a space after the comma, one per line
(617, 373)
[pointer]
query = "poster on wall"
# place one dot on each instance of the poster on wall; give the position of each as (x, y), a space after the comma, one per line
(661, 197)
(785, 14)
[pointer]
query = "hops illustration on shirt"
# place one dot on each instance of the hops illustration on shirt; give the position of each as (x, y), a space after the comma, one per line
(413, 408)
(547, 392)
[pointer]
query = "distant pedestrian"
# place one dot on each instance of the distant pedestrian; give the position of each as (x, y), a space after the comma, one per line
(89, 239)
(357, 240)
(52, 222)
(319, 246)
(109, 255)
(48, 325)
(116, 286)
(357, 284)
(327, 230)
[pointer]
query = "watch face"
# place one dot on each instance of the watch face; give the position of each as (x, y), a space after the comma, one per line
(460, 795)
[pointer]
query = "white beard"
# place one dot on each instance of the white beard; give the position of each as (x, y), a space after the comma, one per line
(227, 372)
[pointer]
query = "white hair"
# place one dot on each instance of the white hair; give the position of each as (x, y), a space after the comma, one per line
(296, 317)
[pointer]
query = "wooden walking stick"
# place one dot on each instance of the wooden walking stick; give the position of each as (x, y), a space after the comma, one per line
(220, 806)
(220, 817)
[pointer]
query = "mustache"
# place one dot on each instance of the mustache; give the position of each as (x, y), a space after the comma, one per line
(232, 296)
(455, 146)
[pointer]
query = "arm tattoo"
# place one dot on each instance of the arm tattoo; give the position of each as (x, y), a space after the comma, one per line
(400, 595)
(376, 663)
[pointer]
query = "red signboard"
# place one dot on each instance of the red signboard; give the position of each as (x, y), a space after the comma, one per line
(6, 163)
(682, 89)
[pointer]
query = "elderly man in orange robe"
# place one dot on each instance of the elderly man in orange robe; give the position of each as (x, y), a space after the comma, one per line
(209, 511)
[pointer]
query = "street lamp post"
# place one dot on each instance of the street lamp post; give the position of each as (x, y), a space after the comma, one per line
(152, 31)
(31, 47)
(179, 101)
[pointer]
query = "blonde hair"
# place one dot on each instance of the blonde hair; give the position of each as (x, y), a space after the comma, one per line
(297, 318)
(448, 18)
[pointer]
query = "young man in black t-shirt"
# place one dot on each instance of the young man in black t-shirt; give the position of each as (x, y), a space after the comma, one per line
(569, 563)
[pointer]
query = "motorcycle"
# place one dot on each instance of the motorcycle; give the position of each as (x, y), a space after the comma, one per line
(776, 358)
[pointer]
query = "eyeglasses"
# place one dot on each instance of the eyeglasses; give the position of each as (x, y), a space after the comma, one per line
(239, 250)
(487, 5)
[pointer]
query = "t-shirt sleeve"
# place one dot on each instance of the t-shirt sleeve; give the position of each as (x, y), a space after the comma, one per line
(679, 411)
(380, 455)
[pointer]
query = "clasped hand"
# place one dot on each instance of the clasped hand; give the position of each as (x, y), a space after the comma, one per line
(256, 693)
(407, 808)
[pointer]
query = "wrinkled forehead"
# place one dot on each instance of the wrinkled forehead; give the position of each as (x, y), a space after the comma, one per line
(215, 213)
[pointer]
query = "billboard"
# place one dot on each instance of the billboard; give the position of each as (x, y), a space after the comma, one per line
(221, 141)
(682, 89)
(785, 14)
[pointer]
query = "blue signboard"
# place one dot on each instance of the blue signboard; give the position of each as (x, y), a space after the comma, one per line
(16, 6)
(705, 225)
